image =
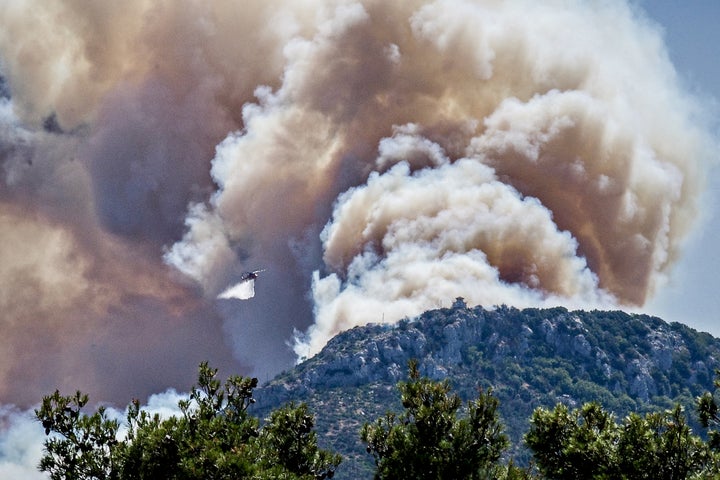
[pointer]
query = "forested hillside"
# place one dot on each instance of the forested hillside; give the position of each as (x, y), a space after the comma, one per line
(530, 358)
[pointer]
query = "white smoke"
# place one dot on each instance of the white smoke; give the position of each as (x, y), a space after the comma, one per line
(20, 445)
(379, 158)
(242, 290)
(416, 241)
(512, 152)
(218, 136)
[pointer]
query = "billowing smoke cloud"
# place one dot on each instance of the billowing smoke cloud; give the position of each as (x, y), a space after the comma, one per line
(106, 138)
(506, 152)
(377, 158)
(82, 308)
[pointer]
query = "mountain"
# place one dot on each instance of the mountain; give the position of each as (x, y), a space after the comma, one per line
(531, 357)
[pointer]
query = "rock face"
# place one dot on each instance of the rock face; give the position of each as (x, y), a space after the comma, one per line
(639, 355)
(529, 357)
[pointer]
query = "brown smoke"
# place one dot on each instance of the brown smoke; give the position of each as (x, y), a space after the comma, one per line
(377, 158)
(134, 99)
(515, 160)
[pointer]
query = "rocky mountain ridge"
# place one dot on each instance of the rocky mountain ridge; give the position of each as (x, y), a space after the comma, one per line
(530, 357)
(442, 340)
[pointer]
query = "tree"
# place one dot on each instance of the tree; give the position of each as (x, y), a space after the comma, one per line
(83, 447)
(429, 441)
(573, 445)
(587, 443)
(291, 442)
(661, 445)
(214, 437)
(707, 407)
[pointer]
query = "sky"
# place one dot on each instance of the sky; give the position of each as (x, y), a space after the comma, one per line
(692, 39)
(376, 158)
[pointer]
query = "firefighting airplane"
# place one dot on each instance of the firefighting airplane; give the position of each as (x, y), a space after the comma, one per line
(244, 288)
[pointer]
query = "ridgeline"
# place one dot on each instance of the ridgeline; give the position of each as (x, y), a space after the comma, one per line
(530, 358)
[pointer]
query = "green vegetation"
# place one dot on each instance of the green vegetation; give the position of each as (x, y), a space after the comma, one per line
(213, 438)
(433, 438)
(574, 395)
(531, 358)
(587, 443)
(429, 441)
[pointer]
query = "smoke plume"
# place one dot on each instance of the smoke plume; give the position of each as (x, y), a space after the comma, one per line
(377, 158)
(504, 152)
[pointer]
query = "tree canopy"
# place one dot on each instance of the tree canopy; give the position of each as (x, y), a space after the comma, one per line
(587, 443)
(434, 437)
(214, 437)
(430, 440)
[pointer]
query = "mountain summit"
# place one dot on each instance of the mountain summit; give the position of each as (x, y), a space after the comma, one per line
(531, 357)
